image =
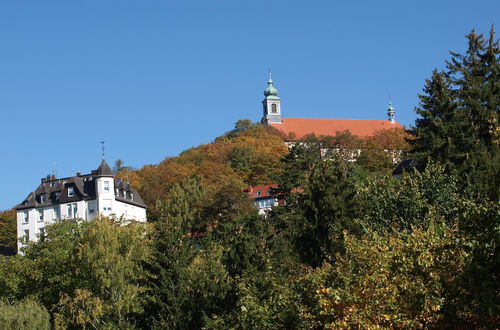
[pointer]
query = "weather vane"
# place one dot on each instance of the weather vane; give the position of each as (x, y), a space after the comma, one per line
(102, 143)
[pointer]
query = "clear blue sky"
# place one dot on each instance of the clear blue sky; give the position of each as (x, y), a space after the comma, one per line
(153, 78)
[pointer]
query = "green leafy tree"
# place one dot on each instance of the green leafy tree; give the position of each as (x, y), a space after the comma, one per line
(418, 199)
(183, 204)
(321, 202)
(23, 315)
(189, 285)
(173, 252)
(296, 166)
(459, 112)
(458, 126)
(8, 230)
(436, 132)
(479, 223)
(267, 301)
(259, 260)
(404, 280)
(251, 244)
(380, 152)
(12, 282)
(241, 159)
(120, 167)
(241, 126)
(390, 203)
(86, 274)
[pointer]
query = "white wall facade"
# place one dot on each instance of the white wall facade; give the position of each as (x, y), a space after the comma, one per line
(31, 222)
(272, 110)
(128, 211)
(265, 204)
(105, 192)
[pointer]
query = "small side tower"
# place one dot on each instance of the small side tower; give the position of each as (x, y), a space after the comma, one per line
(105, 189)
(271, 104)
(391, 114)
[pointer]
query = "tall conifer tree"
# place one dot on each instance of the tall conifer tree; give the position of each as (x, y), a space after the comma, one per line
(459, 116)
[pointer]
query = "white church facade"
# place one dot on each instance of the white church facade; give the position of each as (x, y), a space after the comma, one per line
(80, 196)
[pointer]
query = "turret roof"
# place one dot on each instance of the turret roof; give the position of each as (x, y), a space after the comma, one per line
(270, 91)
(104, 169)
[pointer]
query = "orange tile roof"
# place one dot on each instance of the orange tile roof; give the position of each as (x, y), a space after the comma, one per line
(260, 191)
(360, 127)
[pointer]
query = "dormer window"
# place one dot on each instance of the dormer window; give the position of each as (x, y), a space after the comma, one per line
(71, 192)
(43, 199)
(56, 194)
(131, 196)
(259, 193)
(106, 186)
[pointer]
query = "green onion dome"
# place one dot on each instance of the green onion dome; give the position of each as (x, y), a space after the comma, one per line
(270, 90)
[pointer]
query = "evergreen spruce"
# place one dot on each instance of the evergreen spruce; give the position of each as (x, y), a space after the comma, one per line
(320, 205)
(435, 129)
(459, 116)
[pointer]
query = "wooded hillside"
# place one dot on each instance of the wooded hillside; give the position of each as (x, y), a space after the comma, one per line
(354, 246)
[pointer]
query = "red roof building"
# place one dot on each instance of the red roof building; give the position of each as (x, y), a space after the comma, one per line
(362, 128)
(264, 196)
(265, 191)
(297, 128)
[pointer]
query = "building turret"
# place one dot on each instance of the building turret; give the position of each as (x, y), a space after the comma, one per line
(105, 187)
(271, 104)
(391, 114)
(104, 169)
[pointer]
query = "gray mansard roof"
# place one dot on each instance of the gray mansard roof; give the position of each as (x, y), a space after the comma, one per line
(53, 191)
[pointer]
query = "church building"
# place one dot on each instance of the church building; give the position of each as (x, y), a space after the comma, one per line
(297, 128)
(81, 196)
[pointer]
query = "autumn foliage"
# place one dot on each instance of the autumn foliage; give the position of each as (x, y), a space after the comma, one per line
(248, 155)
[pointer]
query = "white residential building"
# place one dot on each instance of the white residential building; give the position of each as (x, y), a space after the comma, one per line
(80, 196)
(264, 197)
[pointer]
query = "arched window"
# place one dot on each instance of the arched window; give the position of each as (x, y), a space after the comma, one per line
(274, 108)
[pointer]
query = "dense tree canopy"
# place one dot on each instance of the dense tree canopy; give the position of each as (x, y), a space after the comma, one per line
(459, 113)
(248, 155)
(8, 231)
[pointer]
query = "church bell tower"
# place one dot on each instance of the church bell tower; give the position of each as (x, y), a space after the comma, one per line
(271, 104)
(391, 114)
